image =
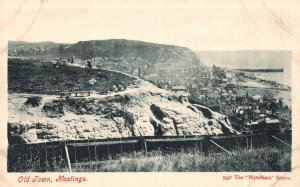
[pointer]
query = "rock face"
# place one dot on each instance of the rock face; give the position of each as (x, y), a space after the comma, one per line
(143, 110)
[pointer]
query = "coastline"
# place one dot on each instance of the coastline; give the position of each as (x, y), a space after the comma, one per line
(258, 86)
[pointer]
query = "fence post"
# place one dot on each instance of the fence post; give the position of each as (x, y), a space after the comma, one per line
(102, 152)
(38, 150)
(46, 155)
(96, 153)
(54, 159)
(145, 146)
(200, 147)
(60, 154)
(30, 152)
(220, 147)
(68, 158)
(89, 153)
(281, 141)
(237, 143)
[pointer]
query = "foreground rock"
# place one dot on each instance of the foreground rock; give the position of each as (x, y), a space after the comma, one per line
(143, 110)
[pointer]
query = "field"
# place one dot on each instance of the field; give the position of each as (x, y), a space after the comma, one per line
(264, 159)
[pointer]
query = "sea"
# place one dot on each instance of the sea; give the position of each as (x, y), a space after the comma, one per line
(280, 77)
(253, 59)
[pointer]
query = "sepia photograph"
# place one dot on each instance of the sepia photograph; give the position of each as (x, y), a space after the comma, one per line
(144, 87)
(124, 105)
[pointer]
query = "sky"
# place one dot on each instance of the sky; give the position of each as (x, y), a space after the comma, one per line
(248, 59)
(199, 26)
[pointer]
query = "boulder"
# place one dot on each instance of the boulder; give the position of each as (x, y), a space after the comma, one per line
(33, 101)
(53, 109)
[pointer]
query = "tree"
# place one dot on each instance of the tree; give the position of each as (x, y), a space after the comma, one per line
(61, 48)
(21, 52)
(89, 64)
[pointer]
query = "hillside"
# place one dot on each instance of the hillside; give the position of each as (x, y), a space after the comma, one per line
(132, 107)
(127, 50)
(132, 49)
(43, 78)
(22, 45)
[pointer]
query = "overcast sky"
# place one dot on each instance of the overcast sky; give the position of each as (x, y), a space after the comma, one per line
(197, 26)
(248, 59)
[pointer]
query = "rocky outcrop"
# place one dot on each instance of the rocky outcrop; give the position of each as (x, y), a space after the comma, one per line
(142, 110)
(53, 109)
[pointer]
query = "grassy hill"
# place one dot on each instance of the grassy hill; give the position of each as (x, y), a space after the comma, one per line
(18, 45)
(32, 77)
(120, 49)
(131, 49)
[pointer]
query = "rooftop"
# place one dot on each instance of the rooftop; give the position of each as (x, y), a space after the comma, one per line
(179, 88)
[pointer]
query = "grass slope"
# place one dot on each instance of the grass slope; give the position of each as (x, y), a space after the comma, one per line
(32, 78)
(264, 159)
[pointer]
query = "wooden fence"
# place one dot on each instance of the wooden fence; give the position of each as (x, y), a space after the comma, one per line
(102, 149)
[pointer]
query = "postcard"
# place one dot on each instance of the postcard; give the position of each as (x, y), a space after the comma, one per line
(149, 93)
